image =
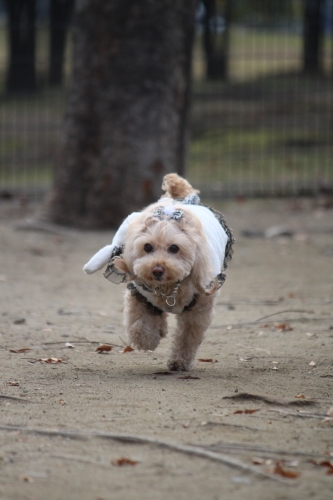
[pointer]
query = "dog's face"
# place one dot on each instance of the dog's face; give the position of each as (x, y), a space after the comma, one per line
(159, 252)
(162, 253)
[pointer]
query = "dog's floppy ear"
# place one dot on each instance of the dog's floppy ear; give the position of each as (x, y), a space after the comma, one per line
(121, 265)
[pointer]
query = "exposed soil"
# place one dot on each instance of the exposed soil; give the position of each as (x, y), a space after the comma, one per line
(272, 339)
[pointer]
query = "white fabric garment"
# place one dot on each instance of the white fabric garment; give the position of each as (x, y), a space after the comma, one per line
(215, 234)
(102, 257)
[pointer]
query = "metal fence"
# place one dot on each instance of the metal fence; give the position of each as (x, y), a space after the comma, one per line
(267, 130)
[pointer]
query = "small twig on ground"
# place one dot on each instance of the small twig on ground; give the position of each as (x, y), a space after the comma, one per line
(82, 459)
(243, 427)
(13, 398)
(300, 414)
(245, 396)
(78, 342)
(284, 311)
(245, 448)
(123, 341)
(128, 438)
(250, 302)
(295, 320)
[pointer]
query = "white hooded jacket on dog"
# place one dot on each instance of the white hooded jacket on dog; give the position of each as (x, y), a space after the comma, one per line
(215, 234)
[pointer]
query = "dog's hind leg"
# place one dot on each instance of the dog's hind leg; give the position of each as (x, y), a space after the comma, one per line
(190, 332)
(144, 328)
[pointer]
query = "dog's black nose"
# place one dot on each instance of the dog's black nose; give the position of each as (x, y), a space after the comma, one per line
(158, 271)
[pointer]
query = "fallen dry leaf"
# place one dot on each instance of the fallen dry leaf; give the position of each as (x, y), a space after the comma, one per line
(278, 469)
(247, 412)
(188, 377)
(119, 462)
(284, 327)
(208, 360)
(104, 348)
(27, 479)
(324, 463)
(300, 396)
(50, 360)
(23, 349)
(128, 348)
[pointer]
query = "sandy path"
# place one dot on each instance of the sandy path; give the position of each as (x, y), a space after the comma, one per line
(46, 301)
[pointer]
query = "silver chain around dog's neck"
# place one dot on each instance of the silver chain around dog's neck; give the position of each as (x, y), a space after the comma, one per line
(170, 300)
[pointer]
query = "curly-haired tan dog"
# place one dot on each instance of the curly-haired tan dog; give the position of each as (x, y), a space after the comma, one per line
(172, 254)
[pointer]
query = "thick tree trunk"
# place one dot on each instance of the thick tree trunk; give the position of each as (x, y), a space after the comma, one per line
(60, 14)
(313, 36)
(127, 110)
(216, 41)
(21, 74)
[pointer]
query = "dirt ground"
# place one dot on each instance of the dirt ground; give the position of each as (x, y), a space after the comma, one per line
(271, 339)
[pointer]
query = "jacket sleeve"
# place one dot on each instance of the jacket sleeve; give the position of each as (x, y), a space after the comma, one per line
(102, 257)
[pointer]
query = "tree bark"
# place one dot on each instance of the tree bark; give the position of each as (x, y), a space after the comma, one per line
(127, 112)
(21, 74)
(60, 15)
(313, 37)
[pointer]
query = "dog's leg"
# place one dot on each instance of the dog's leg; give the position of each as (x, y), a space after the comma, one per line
(143, 328)
(191, 328)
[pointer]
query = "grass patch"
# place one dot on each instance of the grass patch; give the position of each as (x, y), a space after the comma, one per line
(260, 156)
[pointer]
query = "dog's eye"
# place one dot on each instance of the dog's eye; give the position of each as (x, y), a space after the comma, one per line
(173, 249)
(148, 248)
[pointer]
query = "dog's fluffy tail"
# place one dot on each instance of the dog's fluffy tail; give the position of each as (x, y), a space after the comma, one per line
(177, 187)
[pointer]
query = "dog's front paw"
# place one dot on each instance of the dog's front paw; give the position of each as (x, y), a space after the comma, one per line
(179, 365)
(144, 339)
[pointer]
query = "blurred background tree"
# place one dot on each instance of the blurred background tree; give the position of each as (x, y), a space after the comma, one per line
(260, 118)
(127, 113)
(313, 36)
(60, 16)
(21, 73)
(216, 16)
(22, 21)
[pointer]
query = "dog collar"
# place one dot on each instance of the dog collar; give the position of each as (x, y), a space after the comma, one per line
(170, 300)
(156, 311)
